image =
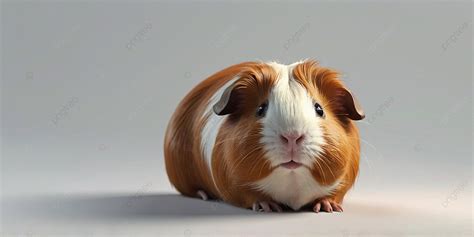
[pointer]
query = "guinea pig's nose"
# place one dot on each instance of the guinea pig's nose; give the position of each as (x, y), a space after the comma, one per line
(292, 139)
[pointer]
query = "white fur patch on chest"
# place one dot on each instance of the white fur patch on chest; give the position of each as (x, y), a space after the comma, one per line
(294, 188)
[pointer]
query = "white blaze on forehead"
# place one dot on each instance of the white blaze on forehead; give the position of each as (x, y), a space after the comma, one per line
(292, 107)
(290, 110)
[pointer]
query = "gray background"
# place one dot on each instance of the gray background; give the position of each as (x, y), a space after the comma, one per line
(88, 88)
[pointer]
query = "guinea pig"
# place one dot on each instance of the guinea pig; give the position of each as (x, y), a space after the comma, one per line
(267, 137)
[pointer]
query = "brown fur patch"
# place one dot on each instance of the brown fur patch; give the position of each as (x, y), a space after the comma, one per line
(340, 159)
(238, 154)
(236, 161)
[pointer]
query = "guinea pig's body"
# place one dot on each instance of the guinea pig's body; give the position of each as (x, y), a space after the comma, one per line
(261, 135)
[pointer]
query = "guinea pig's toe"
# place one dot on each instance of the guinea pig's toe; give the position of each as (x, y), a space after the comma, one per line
(336, 207)
(276, 207)
(266, 207)
(202, 195)
(327, 205)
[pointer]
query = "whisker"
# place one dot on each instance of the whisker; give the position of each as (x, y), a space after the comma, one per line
(373, 147)
(366, 160)
(245, 157)
(320, 169)
(329, 168)
(263, 166)
(236, 137)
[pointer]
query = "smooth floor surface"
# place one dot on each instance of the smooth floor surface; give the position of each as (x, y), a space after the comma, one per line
(168, 214)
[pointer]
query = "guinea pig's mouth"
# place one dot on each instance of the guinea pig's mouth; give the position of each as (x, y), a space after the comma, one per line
(291, 165)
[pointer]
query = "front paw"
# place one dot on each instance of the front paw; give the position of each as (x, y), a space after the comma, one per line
(203, 195)
(263, 206)
(327, 205)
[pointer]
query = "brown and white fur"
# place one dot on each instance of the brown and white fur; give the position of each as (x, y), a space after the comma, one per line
(218, 144)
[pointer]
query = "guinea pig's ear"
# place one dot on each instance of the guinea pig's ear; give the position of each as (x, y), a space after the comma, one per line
(252, 80)
(328, 83)
(228, 101)
(351, 105)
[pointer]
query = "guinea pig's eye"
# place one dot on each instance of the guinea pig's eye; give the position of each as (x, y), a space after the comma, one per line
(319, 110)
(262, 110)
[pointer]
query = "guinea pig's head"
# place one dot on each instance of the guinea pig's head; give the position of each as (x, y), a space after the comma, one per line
(288, 118)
